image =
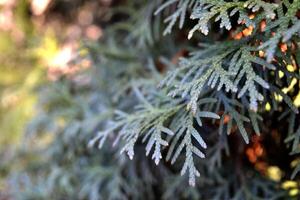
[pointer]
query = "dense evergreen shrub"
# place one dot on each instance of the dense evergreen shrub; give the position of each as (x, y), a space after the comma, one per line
(211, 97)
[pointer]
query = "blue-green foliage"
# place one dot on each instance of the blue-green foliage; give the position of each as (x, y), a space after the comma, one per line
(176, 118)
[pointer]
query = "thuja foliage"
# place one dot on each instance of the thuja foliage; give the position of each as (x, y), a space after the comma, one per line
(192, 85)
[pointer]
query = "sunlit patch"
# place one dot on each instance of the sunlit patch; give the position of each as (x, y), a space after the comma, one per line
(280, 74)
(297, 100)
(294, 192)
(63, 57)
(64, 63)
(38, 7)
(7, 2)
(48, 48)
(295, 162)
(261, 54)
(274, 173)
(278, 97)
(268, 106)
(290, 87)
(290, 68)
(291, 186)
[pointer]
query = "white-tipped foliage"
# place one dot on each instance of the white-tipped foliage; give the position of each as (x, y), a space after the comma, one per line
(206, 11)
(185, 134)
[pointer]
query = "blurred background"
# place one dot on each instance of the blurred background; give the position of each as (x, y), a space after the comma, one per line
(38, 41)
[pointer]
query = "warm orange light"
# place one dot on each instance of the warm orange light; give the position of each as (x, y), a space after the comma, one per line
(261, 167)
(238, 36)
(93, 32)
(263, 25)
(258, 150)
(251, 16)
(248, 31)
(255, 151)
(283, 47)
(251, 155)
(226, 119)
